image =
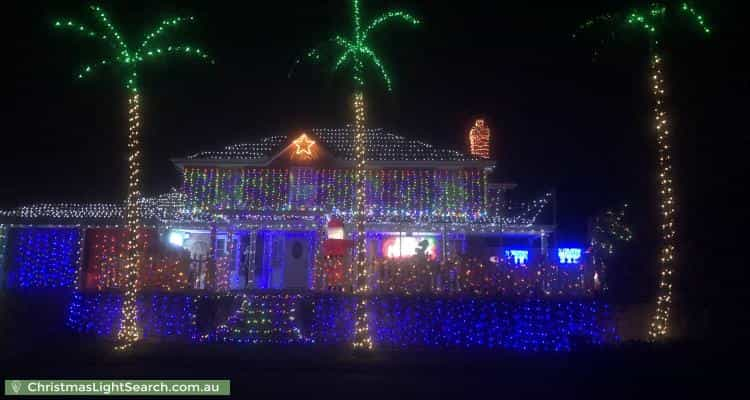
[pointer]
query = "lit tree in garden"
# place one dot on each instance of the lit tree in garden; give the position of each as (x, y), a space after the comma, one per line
(652, 21)
(357, 53)
(127, 60)
(609, 231)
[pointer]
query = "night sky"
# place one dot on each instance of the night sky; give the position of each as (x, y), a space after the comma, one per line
(559, 119)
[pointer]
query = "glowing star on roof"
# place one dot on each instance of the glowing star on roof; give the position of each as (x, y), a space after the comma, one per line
(304, 148)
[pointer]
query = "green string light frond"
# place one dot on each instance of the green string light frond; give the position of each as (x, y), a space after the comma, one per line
(79, 28)
(163, 27)
(604, 21)
(356, 51)
(647, 19)
(697, 17)
(125, 56)
(651, 20)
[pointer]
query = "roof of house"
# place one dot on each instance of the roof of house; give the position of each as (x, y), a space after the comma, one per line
(382, 145)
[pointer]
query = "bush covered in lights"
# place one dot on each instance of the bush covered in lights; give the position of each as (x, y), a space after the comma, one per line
(396, 321)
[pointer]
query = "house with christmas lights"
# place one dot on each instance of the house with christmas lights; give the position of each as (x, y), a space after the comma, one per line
(277, 214)
(286, 191)
(257, 245)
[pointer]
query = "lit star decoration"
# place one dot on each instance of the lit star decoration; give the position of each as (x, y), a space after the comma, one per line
(128, 59)
(652, 21)
(356, 51)
(479, 139)
(303, 148)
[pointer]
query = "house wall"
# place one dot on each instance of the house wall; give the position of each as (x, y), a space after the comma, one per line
(389, 192)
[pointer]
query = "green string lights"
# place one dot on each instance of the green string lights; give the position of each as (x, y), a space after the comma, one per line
(652, 21)
(125, 57)
(129, 60)
(357, 53)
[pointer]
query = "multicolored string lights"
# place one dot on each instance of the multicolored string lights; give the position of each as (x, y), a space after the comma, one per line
(412, 192)
(261, 319)
(356, 51)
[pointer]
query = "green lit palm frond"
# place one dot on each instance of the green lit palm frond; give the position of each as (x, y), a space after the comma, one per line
(124, 55)
(356, 51)
(651, 20)
(696, 17)
(160, 29)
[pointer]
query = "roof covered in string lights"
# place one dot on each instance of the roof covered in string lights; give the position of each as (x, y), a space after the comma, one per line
(382, 145)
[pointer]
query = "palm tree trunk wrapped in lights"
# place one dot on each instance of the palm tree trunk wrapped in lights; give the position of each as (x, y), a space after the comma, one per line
(362, 337)
(129, 332)
(653, 21)
(128, 59)
(660, 323)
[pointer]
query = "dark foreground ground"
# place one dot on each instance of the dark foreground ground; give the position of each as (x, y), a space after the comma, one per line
(627, 371)
(37, 347)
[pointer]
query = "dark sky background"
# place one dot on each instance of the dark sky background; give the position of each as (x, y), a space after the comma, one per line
(559, 120)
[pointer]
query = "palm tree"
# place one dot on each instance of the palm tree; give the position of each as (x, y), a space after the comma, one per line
(357, 53)
(127, 61)
(652, 21)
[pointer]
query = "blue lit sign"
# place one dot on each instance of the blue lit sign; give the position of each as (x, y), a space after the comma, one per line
(569, 255)
(518, 256)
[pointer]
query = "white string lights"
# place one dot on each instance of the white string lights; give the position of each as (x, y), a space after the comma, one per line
(129, 332)
(660, 323)
(166, 207)
(382, 146)
(362, 338)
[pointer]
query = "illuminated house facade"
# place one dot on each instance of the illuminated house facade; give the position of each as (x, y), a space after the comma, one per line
(258, 217)
(256, 247)
(271, 201)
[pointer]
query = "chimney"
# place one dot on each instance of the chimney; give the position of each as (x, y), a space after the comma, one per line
(479, 139)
